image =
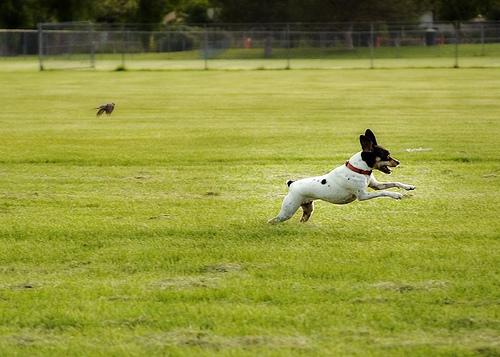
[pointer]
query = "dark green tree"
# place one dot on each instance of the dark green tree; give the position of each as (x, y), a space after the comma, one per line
(253, 11)
(13, 14)
(354, 10)
(120, 11)
(458, 10)
(71, 10)
(318, 10)
(493, 11)
(150, 11)
(194, 11)
(23, 13)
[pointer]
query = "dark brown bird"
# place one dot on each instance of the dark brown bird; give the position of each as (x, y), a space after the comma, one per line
(105, 108)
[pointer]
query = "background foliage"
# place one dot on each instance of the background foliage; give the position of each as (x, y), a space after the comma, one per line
(26, 13)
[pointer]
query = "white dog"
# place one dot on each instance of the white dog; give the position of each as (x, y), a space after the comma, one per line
(344, 184)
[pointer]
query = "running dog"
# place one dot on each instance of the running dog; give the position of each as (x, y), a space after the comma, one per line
(345, 183)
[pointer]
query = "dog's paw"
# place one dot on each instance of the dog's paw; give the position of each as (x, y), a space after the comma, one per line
(396, 195)
(407, 187)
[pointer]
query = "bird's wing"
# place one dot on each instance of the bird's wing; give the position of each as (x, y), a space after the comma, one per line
(100, 111)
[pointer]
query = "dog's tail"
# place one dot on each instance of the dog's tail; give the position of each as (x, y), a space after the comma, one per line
(289, 182)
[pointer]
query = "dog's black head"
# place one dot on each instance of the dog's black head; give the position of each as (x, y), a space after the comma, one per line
(374, 155)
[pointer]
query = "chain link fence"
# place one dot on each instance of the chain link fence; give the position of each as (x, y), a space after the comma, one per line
(253, 46)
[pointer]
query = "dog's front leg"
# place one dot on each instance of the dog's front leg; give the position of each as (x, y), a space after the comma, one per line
(385, 185)
(364, 195)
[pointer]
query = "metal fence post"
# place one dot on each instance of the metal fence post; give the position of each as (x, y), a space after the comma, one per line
(25, 43)
(482, 40)
(205, 46)
(123, 48)
(92, 48)
(457, 24)
(40, 46)
(400, 41)
(372, 37)
(287, 46)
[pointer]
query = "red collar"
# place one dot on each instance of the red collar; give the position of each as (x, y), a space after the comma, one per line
(355, 169)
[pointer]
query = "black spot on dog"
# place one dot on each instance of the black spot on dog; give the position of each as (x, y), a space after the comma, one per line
(323, 181)
(289, 182)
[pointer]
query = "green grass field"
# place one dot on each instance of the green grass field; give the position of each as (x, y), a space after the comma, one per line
(145, 233)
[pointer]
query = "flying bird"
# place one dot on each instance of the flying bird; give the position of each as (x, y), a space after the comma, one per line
(105, 108)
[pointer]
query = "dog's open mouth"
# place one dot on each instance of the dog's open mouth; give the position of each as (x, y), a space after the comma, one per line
(385, 169)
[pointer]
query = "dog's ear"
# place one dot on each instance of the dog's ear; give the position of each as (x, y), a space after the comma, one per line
(366, 144)
(369, 134)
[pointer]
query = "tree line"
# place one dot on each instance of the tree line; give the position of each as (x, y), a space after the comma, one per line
(27, 13)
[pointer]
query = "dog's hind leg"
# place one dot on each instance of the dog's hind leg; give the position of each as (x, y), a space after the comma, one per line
(290, 205)
(307, 209)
